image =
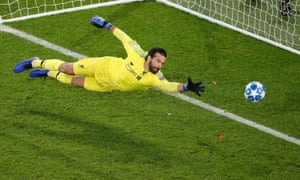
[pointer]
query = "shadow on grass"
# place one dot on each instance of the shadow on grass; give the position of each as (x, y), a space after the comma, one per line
(120, 147)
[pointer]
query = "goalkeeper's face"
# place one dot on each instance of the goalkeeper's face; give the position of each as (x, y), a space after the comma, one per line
(156, 62)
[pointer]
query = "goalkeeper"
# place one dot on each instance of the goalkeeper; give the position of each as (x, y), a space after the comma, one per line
(139, 71)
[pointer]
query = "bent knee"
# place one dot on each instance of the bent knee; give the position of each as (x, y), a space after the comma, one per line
(67, 68)
(78, 81)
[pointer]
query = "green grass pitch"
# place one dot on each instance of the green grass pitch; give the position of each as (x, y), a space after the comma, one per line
(50, 130)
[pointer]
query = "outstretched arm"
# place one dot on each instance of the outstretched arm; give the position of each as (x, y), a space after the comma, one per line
(197, 87)
(128, 43)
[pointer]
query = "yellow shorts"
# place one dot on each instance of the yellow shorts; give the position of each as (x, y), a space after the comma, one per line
(97, 73)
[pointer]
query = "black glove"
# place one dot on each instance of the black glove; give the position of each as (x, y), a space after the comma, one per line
(195, 87)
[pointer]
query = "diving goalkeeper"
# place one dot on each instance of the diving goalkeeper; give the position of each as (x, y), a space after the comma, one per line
(140, 70)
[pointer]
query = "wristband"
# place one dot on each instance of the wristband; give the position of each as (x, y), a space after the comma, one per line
(185, 87)
(107, 25)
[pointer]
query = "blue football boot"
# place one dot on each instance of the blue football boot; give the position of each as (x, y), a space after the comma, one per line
(24, 65)
(39, 73)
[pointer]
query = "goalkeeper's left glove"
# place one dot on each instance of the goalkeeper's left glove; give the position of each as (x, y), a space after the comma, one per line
(100, 22)
(194, 87)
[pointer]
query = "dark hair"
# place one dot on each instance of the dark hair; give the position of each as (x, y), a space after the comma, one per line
(155, 50)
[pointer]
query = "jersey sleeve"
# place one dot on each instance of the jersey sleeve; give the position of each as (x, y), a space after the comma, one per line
(165, 85)
(169, 86)
(131, 46)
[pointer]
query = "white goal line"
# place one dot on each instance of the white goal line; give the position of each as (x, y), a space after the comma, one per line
(183, 97)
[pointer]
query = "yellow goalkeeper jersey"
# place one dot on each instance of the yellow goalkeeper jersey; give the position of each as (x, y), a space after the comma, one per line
(129, 74)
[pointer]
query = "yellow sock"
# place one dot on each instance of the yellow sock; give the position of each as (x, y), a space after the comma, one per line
(36, 63)
(51, 64)
(61, 77)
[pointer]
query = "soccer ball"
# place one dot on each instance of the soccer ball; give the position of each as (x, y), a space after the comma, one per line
(255, 91)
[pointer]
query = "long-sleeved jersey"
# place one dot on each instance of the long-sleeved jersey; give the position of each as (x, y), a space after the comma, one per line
(124, 74)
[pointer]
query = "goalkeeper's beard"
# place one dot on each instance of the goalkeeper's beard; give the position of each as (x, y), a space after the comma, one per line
(153, 69)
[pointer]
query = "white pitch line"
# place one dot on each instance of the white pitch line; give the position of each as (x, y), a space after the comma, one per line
(39, 41)
(236, 118)
(183, 97)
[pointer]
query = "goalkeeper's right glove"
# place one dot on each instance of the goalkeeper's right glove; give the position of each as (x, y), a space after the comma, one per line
(100, 22)
(194, 87)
